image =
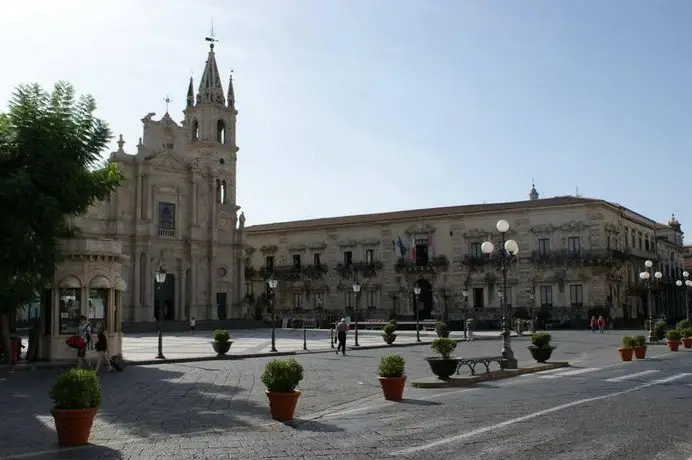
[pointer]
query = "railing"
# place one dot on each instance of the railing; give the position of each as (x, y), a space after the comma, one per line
(431, 264)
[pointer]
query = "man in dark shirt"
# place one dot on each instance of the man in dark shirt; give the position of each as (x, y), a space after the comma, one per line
(341, 330)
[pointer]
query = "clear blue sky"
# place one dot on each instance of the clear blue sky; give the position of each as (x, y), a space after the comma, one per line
(356, 106)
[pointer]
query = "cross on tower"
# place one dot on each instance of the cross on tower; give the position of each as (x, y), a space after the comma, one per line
(212, 36)
(167, 100)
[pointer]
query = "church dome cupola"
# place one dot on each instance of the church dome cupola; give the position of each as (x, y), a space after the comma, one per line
(533, 195)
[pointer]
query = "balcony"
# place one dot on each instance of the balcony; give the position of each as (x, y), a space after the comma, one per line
(432, 264)
(315, 271)
(596, 257)
(281, 272)
(364, 269)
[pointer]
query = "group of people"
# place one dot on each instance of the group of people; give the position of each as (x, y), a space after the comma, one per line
(84, 330)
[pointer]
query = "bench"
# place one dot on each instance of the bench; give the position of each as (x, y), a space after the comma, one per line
(486, 361)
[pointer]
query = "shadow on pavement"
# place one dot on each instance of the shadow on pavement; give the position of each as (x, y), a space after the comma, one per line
(314, 426)
(419, 402)
(87, 452)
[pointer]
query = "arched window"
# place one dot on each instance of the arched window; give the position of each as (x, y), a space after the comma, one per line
(221, 132)
(195, 130)
(217, 195)
(224, 192)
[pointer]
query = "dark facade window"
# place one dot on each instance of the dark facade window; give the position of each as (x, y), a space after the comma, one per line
(422, 252)
(348, 258)
(544, 247)
(269, 262)
(476, 252)
(316, 259)
(296, 260)
(166, 219)
(369, 256)
(574, 244)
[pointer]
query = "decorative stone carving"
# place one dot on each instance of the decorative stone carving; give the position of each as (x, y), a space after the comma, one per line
(370, 242)
(166, 189)
(223, 222)
(547, 228)
(348, 243)
(249, 251)
(168, 161)
(269, 249)
(422, 229)
(317, 246)
(297, 248)
(574, 226)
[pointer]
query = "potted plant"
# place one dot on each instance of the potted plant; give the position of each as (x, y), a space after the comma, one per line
(76, 397)
(540, 347)
(388, 333)
(443, 366)
(640, 347)
(281, 377)
(392, 378)
(627, 348)
(222, 342)
(673, 337)
(442, 329)
(687, 337)
(684, 324)
(660, 330)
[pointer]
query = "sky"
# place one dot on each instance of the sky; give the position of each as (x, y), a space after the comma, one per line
(360, 106)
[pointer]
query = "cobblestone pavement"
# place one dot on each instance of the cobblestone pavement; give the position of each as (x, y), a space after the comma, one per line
(143, 347)
(218, 409)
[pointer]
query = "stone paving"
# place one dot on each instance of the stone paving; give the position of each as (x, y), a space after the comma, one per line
(218, 409)
(143, 347)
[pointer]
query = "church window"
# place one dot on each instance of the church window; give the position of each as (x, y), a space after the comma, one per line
(166, 219)
(221, 132)
(195, 130)
(224, 192)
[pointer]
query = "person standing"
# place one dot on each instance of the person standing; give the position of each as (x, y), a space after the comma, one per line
(102, 348)
(601, 324)
(83, 331)
(193, 323)
(341, 330)
(594, 324)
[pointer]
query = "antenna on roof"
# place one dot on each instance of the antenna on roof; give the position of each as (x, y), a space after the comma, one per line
(577, 191)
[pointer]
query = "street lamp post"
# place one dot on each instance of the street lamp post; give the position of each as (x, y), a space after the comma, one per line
(465, 295)
(534, 320)
(685, 285)
(356, 291)
(273, 283)
(160, 279)
(646, 277)
(416, 293)
(508, 251)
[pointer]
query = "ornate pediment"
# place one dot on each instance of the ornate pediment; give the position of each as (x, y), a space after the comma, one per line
(574, 226)
(249, 251)
(475, 233)
(612, 228)
(317, 246)
(269, 249)
(370, 242)
(420, 230)
(348, 243)
(297, 248)
(168, 160)
(542, 229)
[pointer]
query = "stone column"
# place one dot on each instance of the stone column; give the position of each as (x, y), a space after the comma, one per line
(212, 289)
(110, 314)
(178, 298)
(183, 294)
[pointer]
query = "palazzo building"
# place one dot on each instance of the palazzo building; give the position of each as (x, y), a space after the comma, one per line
(578, 257)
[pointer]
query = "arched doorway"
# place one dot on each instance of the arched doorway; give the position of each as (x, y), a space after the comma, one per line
(165, 294)
(425, 299)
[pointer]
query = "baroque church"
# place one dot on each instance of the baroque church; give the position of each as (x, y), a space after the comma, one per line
(177, 210)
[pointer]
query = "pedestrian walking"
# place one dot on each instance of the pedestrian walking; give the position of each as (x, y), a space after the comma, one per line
(341, 330)
(102, 349)
(594, 324)
(601, 323)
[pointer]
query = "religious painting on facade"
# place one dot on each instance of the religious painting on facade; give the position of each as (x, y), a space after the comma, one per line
(167, 217)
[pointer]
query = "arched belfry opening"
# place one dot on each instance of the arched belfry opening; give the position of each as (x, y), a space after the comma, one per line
(195, 130)
(221, 132)
(224, 192)
(425, 299)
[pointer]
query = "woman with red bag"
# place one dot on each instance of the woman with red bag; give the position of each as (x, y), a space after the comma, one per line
(84, 332)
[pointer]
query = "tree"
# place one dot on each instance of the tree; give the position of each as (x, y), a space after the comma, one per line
(50, 172)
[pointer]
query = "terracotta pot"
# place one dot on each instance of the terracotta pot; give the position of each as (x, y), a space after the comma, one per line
(687, 342)
(389, 338)
(626, 353)
(640, 352)
(673, 345)
(393, 387)
(283, 405)
(73, 426)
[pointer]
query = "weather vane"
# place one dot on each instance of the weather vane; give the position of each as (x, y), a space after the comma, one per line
(212, 36)
(167, 100)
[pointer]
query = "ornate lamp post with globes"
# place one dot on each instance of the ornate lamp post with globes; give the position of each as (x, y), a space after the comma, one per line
(685, 285)
(273, 283)
(356, 291)
(646, 277)
(508, 251)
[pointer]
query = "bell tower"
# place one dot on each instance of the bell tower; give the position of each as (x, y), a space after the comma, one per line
(210, 116)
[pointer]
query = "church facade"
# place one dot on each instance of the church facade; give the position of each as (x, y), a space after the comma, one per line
(175, 211)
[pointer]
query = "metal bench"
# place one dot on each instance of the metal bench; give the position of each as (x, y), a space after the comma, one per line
(486, 361)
